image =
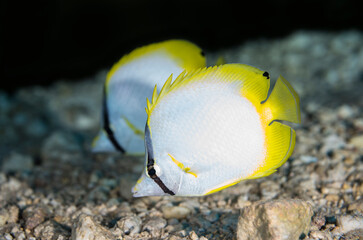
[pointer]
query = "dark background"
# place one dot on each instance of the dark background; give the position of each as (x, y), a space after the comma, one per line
(43, 41)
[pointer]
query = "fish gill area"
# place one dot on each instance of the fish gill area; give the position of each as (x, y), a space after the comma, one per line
(53, 188)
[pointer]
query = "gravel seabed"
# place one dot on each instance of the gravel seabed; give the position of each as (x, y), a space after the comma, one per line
(53, 187)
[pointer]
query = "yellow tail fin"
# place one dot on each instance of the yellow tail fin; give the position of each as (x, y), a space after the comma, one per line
(280, 141)
(283, 103)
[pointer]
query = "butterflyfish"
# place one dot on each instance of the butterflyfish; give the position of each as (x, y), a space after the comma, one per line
(214, 127)
(130, 81)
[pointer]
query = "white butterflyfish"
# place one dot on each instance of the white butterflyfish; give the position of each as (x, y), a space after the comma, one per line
(214, 127)
(129, 82)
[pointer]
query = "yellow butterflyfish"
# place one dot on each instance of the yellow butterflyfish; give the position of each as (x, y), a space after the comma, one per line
(130, 81)
(214, 127)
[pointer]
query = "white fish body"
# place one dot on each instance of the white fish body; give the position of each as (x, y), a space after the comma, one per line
(130, 82)
(210, 129)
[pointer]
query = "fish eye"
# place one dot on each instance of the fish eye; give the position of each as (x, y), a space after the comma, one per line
(157, 170)
(202, 53)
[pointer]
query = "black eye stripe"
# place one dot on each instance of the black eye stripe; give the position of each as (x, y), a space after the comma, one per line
(106, 124)
(150, 163)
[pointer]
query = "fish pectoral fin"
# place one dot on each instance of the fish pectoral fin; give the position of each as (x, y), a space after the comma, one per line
(188, 170)
(181, 166)
(133, 127)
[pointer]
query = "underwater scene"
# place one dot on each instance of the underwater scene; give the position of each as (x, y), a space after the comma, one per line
(259, 139)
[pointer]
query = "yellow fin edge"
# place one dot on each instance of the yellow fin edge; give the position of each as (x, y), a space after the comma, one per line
(181, 166)
(255, 85)
(280, 143)
(221, 188)
(133, 127)
(185, 53)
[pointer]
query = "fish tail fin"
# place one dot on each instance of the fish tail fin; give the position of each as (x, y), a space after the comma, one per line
(101, 143)
(283, 103)
(280, 141)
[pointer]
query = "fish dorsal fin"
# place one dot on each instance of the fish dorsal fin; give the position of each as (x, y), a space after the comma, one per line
(186, 54)
(252, 82)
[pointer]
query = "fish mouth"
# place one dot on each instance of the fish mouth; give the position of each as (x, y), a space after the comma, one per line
(136, 194)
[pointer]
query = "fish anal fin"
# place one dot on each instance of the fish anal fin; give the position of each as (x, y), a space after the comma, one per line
(224, 186)
(101, 143)
(282, 104)
(280, 142)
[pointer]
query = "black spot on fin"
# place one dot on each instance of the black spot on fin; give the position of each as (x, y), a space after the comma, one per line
(266, 74)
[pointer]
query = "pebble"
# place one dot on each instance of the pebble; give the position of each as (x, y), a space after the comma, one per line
(353, 235)
(332, 142)
(13, 214)
(212, 217)
(279, 219)
(17, 162)
(35, 215)
(269, 189)
(130, 224)
(60, 147)
(320, 235)
(332, 197)
(306, 159)
(357, 141)
(85, 228)
(154, 224)
(356, 206)
(125, 186)
(177, 212)
(8, 236)
(346, 112)
(347, 223)
(193, 236)
(50, 230)
(318, 221)
(4, 216)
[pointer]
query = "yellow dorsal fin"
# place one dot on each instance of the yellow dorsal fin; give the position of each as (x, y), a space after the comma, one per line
(252, 82)
(155, 94)
(186, 54)
(148, 104)
(220, 61)
(283, 103)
